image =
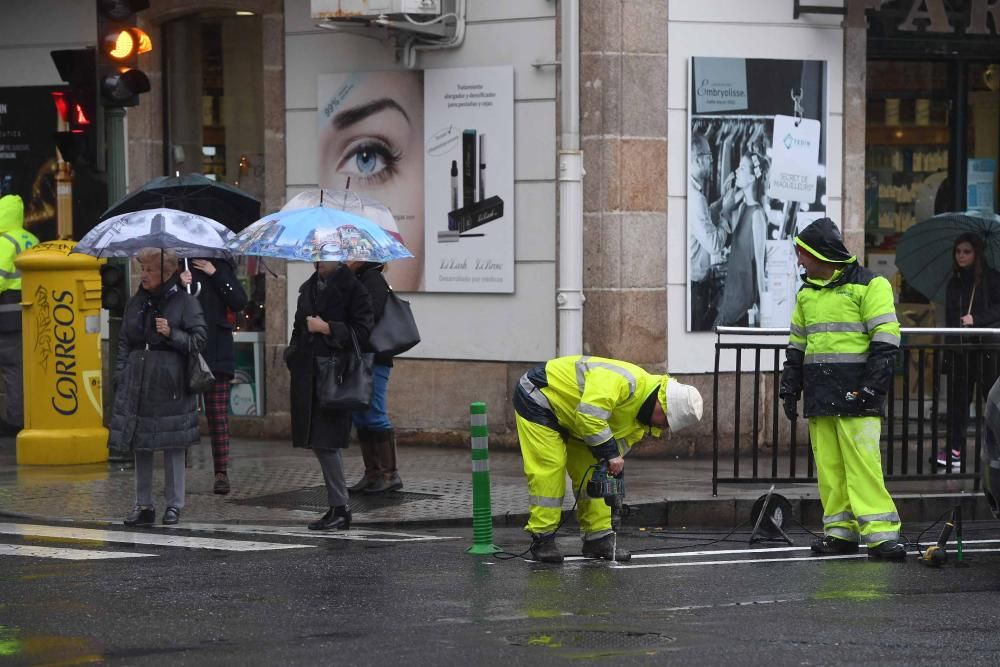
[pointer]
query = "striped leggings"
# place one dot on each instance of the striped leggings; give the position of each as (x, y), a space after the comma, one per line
(217, 412)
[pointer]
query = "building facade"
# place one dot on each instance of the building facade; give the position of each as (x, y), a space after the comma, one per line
(903, 95)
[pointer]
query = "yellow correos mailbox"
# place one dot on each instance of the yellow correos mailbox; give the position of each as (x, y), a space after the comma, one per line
(61, 316)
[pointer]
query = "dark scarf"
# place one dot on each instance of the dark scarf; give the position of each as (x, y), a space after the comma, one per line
(153, 305)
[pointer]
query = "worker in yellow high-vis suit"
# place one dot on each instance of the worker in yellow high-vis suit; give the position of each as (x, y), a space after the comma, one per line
(14, 239)
(572, 412)
(841, 351)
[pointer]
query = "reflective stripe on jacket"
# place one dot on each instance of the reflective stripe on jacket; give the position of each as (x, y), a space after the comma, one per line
(594, 399)
(844, 336)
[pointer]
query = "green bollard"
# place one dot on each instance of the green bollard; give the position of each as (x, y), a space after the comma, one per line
(482, 505)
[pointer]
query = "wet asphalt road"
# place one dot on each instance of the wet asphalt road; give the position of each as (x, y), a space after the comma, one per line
(426, 602)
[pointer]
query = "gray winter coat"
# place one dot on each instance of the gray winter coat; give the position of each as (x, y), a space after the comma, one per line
(153, 409)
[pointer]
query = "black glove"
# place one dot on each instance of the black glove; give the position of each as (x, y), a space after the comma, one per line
(791, 404)
(870, 399)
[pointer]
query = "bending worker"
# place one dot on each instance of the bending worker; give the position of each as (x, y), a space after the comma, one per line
(572, 412)
(14, 239)
(841, 350)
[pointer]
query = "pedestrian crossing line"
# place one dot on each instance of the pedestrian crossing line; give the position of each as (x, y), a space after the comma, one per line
(745, 561)
(763, 550)
(147, 538)
(359, 534)
(65, 554)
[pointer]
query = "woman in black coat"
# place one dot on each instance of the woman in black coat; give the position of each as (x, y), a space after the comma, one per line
(332, 303)
(153, 409)
(219, 292)
(972, 299)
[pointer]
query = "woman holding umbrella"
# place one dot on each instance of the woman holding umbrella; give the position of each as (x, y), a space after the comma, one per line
(332, 304)
(972, 299)
(153, 410)
(219, 292)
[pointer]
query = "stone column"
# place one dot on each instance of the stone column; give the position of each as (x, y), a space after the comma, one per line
(855, 69)
(623, 128)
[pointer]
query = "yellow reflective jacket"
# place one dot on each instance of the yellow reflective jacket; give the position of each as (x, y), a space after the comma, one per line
(14, 239)
(844, 336)
(596, 399)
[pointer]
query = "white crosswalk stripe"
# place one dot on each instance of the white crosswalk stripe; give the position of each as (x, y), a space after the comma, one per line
(354, 534)
(65, 554)
(142, 537)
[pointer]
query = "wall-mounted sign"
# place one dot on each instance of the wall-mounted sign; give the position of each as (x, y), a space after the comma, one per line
(721, 85)
(756, 177)
(436, 147)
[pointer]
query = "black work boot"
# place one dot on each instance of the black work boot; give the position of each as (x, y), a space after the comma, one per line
(338, 517)
(888, 550)
(545, 550)
(604, 547)
(388, 480)
(369, 453)
(833, 546)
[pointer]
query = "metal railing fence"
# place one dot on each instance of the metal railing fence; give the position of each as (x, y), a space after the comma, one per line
(935, 367)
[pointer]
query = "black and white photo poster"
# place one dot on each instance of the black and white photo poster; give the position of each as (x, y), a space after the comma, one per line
(756, 138)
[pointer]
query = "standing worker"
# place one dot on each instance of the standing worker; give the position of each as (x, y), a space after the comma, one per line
(842, 350)
(573, 412)
(219, 293)
(14, 239)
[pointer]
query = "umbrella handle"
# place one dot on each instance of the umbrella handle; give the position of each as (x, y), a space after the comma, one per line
(198, 289)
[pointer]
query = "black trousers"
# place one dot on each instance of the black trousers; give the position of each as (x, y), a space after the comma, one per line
(967, 372)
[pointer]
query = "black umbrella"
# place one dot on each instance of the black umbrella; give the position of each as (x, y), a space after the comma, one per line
(192, 193)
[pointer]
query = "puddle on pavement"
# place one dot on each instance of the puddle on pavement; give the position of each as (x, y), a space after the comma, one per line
(47, 650)
(593, 643)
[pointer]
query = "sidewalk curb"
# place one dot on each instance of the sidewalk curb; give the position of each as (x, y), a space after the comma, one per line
(689, 513)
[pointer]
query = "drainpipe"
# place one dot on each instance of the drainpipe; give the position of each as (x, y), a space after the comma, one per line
(569, 296)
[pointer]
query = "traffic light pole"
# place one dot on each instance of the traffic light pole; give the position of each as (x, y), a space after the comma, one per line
(114, 132)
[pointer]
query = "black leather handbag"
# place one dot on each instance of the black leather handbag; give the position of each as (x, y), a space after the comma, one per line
(200, 378)
(397, 331)
(345, 381)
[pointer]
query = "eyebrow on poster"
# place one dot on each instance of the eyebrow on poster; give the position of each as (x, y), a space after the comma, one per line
(348, 117)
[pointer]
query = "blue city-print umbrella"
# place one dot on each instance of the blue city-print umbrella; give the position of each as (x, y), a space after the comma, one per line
(924, 254)
(318, 234)
(125, 235)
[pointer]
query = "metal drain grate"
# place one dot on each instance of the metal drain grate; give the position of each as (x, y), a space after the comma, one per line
(314, 497)
(590, 639)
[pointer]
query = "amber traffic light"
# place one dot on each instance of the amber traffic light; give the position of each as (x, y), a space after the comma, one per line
(119, 43)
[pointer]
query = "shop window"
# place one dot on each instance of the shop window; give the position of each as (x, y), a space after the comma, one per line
(214, 125)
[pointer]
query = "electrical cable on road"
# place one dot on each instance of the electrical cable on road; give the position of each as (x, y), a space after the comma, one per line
(506, 555)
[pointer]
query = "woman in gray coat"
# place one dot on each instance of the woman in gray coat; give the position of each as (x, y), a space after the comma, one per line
(153, 410)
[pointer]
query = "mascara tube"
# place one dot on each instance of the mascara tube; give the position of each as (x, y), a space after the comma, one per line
(482, 167)
(454, 185)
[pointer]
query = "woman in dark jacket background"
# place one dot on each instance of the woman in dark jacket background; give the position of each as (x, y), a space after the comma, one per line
(332, 303)
(219, 291)
(153, 410)
(375, 432)
(972, 299)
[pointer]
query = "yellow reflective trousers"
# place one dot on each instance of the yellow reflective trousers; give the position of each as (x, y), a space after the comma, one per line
(856, 505)
(547, 459)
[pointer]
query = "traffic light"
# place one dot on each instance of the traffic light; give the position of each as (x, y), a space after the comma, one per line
(77, 107)
(119, 43)
(114, 287)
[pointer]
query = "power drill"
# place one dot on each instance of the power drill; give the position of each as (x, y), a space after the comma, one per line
(603, 484)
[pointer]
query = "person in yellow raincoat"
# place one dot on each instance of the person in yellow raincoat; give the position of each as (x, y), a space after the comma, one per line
(574, 411)
(841, 350)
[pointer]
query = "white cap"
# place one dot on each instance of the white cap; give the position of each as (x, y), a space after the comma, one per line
(683, 405)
